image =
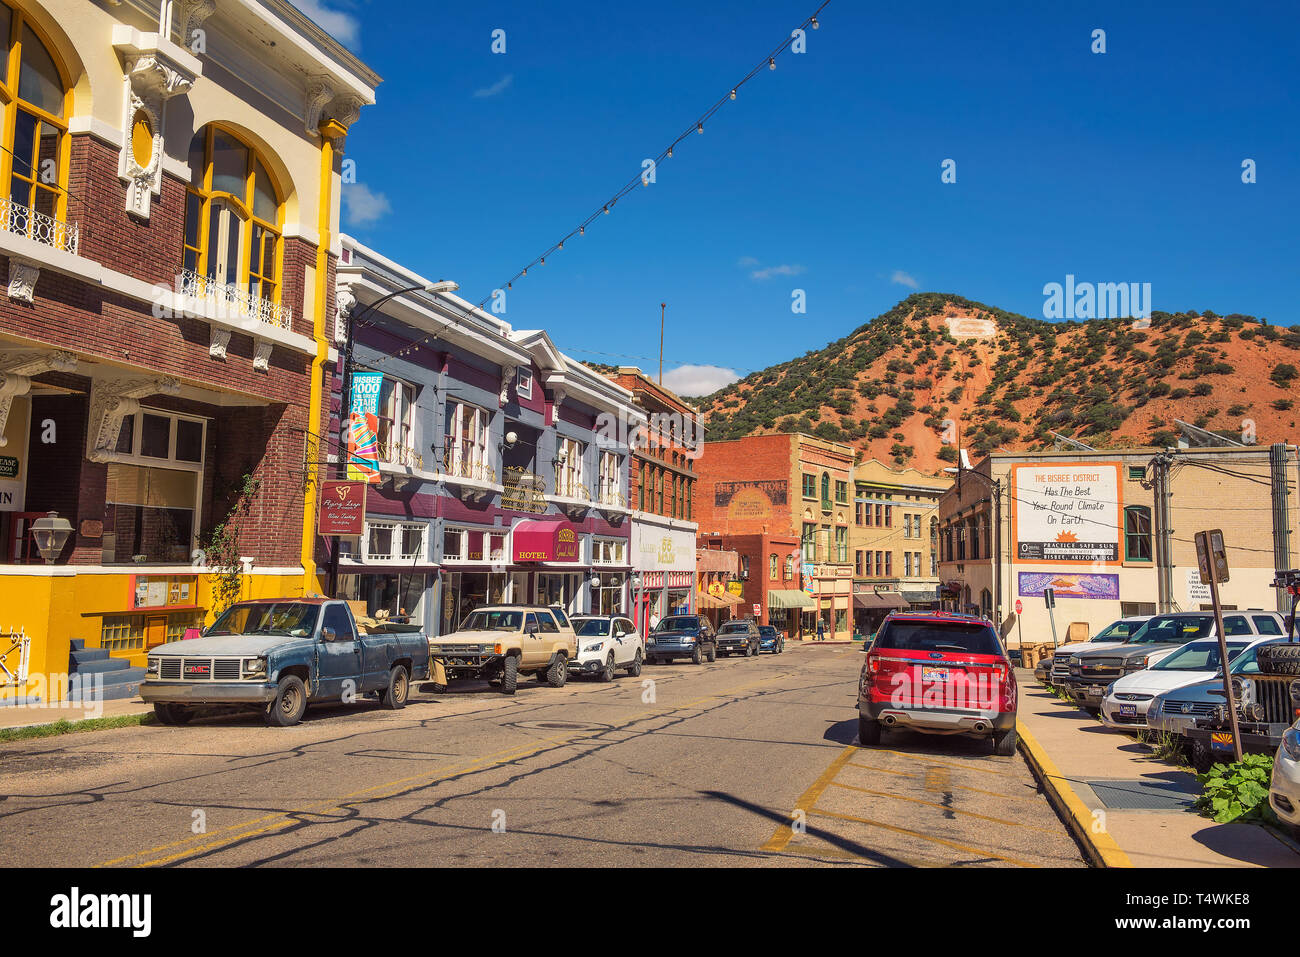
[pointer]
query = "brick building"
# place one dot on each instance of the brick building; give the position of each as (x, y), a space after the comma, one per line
(1111, 532)
(171, 177)
(784, 503)
(894, 541)
(663, 500)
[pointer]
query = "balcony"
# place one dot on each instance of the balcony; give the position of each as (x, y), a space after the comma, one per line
(234, 302)
(465, 466)
(38, 227)
(572, 497)
(612, 503)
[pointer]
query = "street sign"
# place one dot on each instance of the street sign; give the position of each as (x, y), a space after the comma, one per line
(1019, 606)
(1049, 597)
(342, 507)
(1209, 545)
(758, 609)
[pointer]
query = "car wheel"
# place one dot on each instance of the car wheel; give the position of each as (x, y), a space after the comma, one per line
(713, 653)
(287, 707)
(1004, 742)
(399, 689)
(868, 731)
(634, 669)
(697, 656)
(558, 672)
(172, 714)
(510, 675)
(607, 673)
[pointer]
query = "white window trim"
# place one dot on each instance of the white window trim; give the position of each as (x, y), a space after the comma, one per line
(480, 463)
(524, 382)
(405, 450)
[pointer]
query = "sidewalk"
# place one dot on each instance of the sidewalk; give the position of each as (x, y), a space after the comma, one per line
(21, 717)
(1127, 807)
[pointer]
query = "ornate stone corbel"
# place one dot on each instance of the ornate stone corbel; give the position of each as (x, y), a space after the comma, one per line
(262, 354)
(319, 94)
(190, 15)
(557, 399)
(345, 109)
(507, 375)
(220, 342)
(12, 385)
(343, 303)
(22, 280)
(34, 362)
(112, 400)
(150, 80)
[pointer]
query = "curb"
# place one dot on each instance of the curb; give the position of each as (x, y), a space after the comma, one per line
(1282, 836)
(1099, 847)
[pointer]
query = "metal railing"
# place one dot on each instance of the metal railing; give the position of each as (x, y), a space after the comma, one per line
(458, 460)
(611, 496)
(396, 453)
(233, 300)
(40, 227)
(569, 488)
(15, 641)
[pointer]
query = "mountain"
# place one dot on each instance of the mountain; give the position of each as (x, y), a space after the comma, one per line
(938, 366)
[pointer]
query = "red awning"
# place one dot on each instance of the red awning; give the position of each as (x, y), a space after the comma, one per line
(538, 540)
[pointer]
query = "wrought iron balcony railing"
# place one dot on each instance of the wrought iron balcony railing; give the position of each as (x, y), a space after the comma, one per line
(24, 221)
(235, 301)
(459, 462)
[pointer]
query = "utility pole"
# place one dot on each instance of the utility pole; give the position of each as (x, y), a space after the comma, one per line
(662, 307)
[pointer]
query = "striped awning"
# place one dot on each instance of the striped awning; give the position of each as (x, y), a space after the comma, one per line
(789, 598)
(723, 600)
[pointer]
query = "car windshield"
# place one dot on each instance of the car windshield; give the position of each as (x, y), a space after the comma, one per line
(1245, 663)
(296, 619)
(1117, 631)
(678, 623)
(1173, 630)
(592, 627)
(733, 626)
(958, 637)
(1198, 656)
(767, 631)
(489, 620)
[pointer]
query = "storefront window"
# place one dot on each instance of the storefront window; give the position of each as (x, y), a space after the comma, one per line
(609, 595)
(401, 596)
(608, 551)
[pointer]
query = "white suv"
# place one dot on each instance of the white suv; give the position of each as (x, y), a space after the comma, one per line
(607, 643)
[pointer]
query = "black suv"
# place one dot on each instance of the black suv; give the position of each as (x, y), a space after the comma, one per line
(681, 636)
(738, 636)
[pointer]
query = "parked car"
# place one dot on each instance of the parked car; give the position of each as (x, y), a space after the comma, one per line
(938, 672)
(1128, 698)
(605, 644)
(738, 636)
(1091, 672)
(682, 636)
(1043, 671)
(769, 639)
(1112, 636)
(502, 642)
(1176, 711)
(279, 655)
(1284, 790)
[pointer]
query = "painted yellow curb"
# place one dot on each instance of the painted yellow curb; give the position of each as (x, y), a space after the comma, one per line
(1097, 843)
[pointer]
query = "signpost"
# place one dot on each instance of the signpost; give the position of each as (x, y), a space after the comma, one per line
(1212, 557)
(1049, 599)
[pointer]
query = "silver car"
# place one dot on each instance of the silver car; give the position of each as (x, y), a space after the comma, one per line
(1176, 711)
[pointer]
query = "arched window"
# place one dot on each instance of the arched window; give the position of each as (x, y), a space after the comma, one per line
(772, 566)
(233, 215)
(789, 567)
(37, 99)
(826, 491)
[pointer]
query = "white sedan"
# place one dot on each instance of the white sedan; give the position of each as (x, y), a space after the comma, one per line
(1125, 704)
(1284, 792)
(607, 643)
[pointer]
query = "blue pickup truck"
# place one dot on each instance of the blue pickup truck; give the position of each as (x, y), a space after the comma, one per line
(279, 655)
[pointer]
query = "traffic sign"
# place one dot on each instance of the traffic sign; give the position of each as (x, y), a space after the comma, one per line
(1019, 606)
(1049, 597)
(1209, 545)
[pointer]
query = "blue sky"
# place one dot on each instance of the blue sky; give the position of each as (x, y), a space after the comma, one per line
(825, 174)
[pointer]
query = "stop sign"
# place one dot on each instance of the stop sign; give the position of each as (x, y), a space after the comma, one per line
(1019, 606)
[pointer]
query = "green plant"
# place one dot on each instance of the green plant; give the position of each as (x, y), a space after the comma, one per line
(1237, 791)
(222, 547)
(1166, 746)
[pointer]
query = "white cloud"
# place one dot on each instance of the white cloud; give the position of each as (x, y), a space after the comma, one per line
(698, 380)
(500, 86)
(746, 262)
(782, 270)
(362, 206)
(903, 279)
(341, 26)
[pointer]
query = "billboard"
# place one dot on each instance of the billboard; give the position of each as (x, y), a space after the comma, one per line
(363, 427)
(1031, 585)
(1067, 512)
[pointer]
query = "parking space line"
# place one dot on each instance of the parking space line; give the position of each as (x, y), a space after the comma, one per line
(959, 787)
(923, 836)
(782, 835)
(942, 807)
(949, 764)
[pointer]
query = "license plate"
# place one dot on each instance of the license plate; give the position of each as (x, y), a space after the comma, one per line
(1097, 690)
(1221, 741)
(1128, 709)
(934, 674)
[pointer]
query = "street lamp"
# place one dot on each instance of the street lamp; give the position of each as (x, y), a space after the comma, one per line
(433, 288)
(51, 534)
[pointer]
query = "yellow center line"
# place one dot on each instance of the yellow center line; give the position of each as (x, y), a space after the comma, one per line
(924, 837)
(942, 807)
(782, 835)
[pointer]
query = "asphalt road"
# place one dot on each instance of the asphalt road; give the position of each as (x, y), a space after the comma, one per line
(744, 762)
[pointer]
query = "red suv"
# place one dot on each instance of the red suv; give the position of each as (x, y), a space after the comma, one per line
(940, 673)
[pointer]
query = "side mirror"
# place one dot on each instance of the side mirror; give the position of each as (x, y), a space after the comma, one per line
(530, 628)
(327, 634)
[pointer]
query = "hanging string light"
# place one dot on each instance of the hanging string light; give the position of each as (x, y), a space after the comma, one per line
(698, 127)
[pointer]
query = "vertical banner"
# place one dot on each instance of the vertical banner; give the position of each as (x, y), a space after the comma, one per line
(363, 427)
